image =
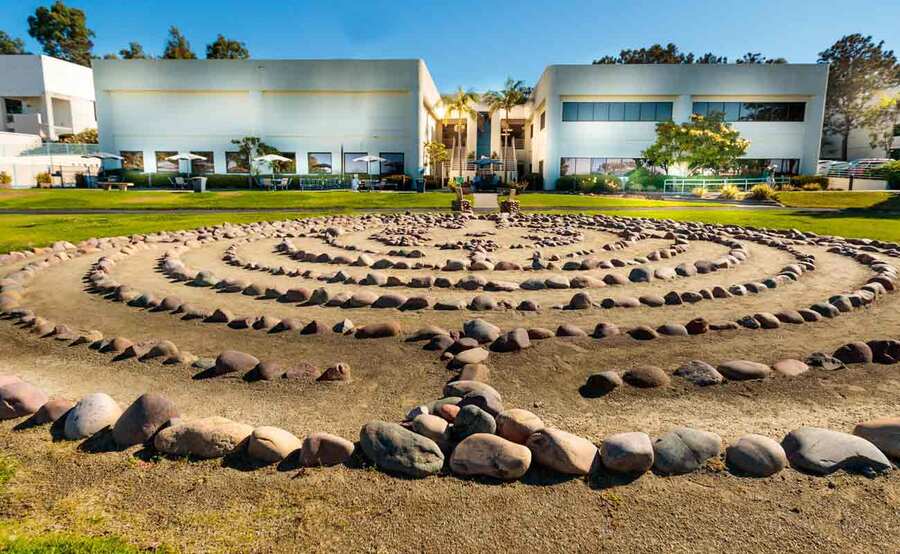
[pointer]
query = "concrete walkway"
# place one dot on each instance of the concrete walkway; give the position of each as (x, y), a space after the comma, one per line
(486, 201)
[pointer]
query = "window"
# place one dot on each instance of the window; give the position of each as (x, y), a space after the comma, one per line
(392, 164)
(617, 111)
(319, 162)
(355, 167)
(287, 167)
(753, 111)
(13, 106)
(235, 162)
(204, 166)
(166, 166)
(132, 159)
(541, 167)
(531, 131)
(756, 167)
(543, 119)
(594, 166)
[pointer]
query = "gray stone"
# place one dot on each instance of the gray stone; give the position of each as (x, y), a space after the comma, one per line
(91, 414)
(630, 453)
(140, 421)
(755, 456)
(211, 437)
(393, 448)
(744, 370)
(600, 384)
(684, 450)
(324, 449)
(563, 452)
(490, 456)
(823, 451)
(271, 444)
(699, 373)
(470, 420)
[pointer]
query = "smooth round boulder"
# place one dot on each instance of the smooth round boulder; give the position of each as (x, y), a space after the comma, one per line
(470, 420)
(646, 377)
(630, 453)
(790, 367)
(142, 419)
(600, 384)
(755, 456)
(683, 450)
(211, 437)
(854, 353)
(744, 370)
(90, 415)
(481, 330)
(52, 410)
(883, 433)
(471, 356)
(338, 372)
(823, 451)
(396, 449)
(642, 332)
(488, 455)
(232, 361)
(325, 449)
(563, 452)
(475, 372)
(699, 373)
(516, 425)
(19, 399)
(379, 330)
(271, 444)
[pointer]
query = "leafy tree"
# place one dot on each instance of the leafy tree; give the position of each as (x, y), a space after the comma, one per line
(710, 58)
(63, 33)
(701, 144)
(459, 104)
(859, 68)
(756, 57)
(657, 53)
(514, 93)
(134, 52)
(436, 154)
(253, 147)
(177, 47)
(881, 120)
(88, 136)
(10, 45)
(110, 56)
(226, 49)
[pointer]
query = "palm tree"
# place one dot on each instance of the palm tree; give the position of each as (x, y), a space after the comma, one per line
(514, 93)
(459, 104)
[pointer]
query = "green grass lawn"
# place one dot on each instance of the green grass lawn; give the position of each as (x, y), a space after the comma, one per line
(25, 231)
(875, 200)
(35, 199)
(548, 200)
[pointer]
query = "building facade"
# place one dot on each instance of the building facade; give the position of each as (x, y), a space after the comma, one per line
(45, 96)
(859, 143)
(324, 114)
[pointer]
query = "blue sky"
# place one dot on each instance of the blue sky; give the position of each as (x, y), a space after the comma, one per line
(478, 44)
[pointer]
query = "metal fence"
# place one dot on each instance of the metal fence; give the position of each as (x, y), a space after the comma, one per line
(60, 149)
(686, 185)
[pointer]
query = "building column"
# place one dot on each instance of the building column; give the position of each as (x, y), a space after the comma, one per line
(682, 108)
(48, 111)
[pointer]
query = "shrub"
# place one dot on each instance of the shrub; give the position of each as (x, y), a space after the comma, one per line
(730, 192)
(761, 192)
(698, 191)
(88, 136)
(891, 173)
(566, 183)
(42, 180)
(813, 187)
(589, 183)
(810, 182)
(535, 181)
(5, 180)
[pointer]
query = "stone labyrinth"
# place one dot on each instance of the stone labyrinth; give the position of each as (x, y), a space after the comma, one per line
(233, 304)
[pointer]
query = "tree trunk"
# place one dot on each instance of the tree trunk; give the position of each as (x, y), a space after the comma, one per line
(845, 138)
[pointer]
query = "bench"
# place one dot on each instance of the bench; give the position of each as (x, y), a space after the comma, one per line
(109, 185)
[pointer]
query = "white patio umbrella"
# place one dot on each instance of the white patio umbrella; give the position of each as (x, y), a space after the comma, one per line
(369, 159)
(184, 156)
(102, 156)
(271, 159)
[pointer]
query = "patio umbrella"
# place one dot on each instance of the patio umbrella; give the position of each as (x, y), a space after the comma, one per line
(102, 156)
(369, 159)
(271, 159)
(184, 156)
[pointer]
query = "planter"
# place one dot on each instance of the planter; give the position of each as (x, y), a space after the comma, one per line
(461, 206)
(509, 206)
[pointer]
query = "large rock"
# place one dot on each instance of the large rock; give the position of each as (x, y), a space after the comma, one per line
(271, 444)
(699, 373)
(140, 421)
(471, 356)
(854, 353)
(627, 452)
(211, 437)
(379, 330)
(684, 450)
(232, 361)
(481, 330)
(790, 367)
(393, 448)
(490, 456)
(324, 449)
(646, 377)
(18, 399)
(432, 426)
(517, 425)
(91, 414)
(52, 410)
(823, 451)
(883, 433)
(470, 420)
(563, 452)
(744, 370)
(755, 456)
(601, 384)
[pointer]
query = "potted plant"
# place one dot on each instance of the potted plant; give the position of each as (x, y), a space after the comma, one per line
(460, 204)
(510, 205)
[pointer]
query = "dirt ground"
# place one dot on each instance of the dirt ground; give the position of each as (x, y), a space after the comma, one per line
(230, 506)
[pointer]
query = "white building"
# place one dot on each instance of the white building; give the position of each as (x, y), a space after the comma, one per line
(44, 96)
(859, 144)
(580, 118)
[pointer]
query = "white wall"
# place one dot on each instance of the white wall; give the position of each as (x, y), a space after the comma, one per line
(296, 106)
(682, 85)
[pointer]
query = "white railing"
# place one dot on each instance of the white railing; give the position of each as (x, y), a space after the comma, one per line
(61, 149)
(685, 185)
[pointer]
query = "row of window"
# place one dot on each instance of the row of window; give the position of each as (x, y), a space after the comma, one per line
(317, 162)
(617, 111)
(753, 111)
(622, 166)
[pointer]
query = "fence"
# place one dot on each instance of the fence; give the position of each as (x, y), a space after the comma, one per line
(61, 149)
(686, 185)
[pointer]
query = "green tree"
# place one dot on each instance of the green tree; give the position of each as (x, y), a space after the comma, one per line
(656, 53)
(881, 120)
(858, 69)
(177, 46)
(701, 144)
(88, 136)
(436, 155)
(226, 49)
(63, 33)
(134, 52)
(756, 57)
(251, 148)
(457, 107)
(514, 93)
(10, 45)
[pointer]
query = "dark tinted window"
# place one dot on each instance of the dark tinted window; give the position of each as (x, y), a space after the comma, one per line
(632, 111)
(570, 111)
(617, 111)
(585, 111)
(663, 111)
